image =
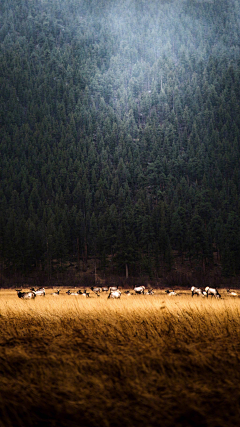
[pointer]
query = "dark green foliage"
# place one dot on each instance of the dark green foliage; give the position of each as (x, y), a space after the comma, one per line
(231, 245)
(119, 133)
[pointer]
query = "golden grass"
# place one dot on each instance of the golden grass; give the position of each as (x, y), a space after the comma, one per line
(138, 361)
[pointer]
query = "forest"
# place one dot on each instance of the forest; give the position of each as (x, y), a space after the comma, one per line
(119, 134)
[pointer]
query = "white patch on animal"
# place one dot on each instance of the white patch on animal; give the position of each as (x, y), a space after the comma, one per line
(115, 294)
(139, 289)
(40, 292)
(113, 288)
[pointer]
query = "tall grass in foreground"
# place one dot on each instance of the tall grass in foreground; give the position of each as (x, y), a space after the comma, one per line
(138, 361)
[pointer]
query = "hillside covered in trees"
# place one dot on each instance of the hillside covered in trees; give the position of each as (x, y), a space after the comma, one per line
(120, 134)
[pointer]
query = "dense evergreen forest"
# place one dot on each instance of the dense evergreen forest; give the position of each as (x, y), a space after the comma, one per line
(120, 134)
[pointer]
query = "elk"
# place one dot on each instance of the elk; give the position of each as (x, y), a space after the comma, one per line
(72, 293)
(25, 295)
(213, 292)
(231, 293)
(139, 289)
(40, 292)
(171, 293)
(84, 293)
(115, 294)
(197, 291)
(150, 292)
(56, 293)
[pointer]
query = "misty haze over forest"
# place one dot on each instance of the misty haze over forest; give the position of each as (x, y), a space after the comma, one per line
(119, 134)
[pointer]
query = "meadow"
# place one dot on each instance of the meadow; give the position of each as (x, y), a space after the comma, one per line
(138, 361)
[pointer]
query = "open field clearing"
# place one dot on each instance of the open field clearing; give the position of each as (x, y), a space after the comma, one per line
(138, 361)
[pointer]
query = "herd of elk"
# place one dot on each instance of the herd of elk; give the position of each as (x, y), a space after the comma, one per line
(114, 292)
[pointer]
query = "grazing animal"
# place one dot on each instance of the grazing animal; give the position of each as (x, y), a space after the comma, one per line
(72, 293)
(56, 293)
(197, 291)
(40, 291)
(139, 289)
(115, 294)
(127, 293)
(96, 290)
(171, 293)
(213, 292)
(26, 295)
(104, 288)
(150, 292)
(231, 293)
(84, 293)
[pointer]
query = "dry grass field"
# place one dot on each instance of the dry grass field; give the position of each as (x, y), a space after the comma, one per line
(138, 361)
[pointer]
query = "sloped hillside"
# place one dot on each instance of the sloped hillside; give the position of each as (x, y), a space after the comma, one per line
(119, 134)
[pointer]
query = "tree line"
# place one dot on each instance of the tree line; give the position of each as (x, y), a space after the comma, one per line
(119, 133)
